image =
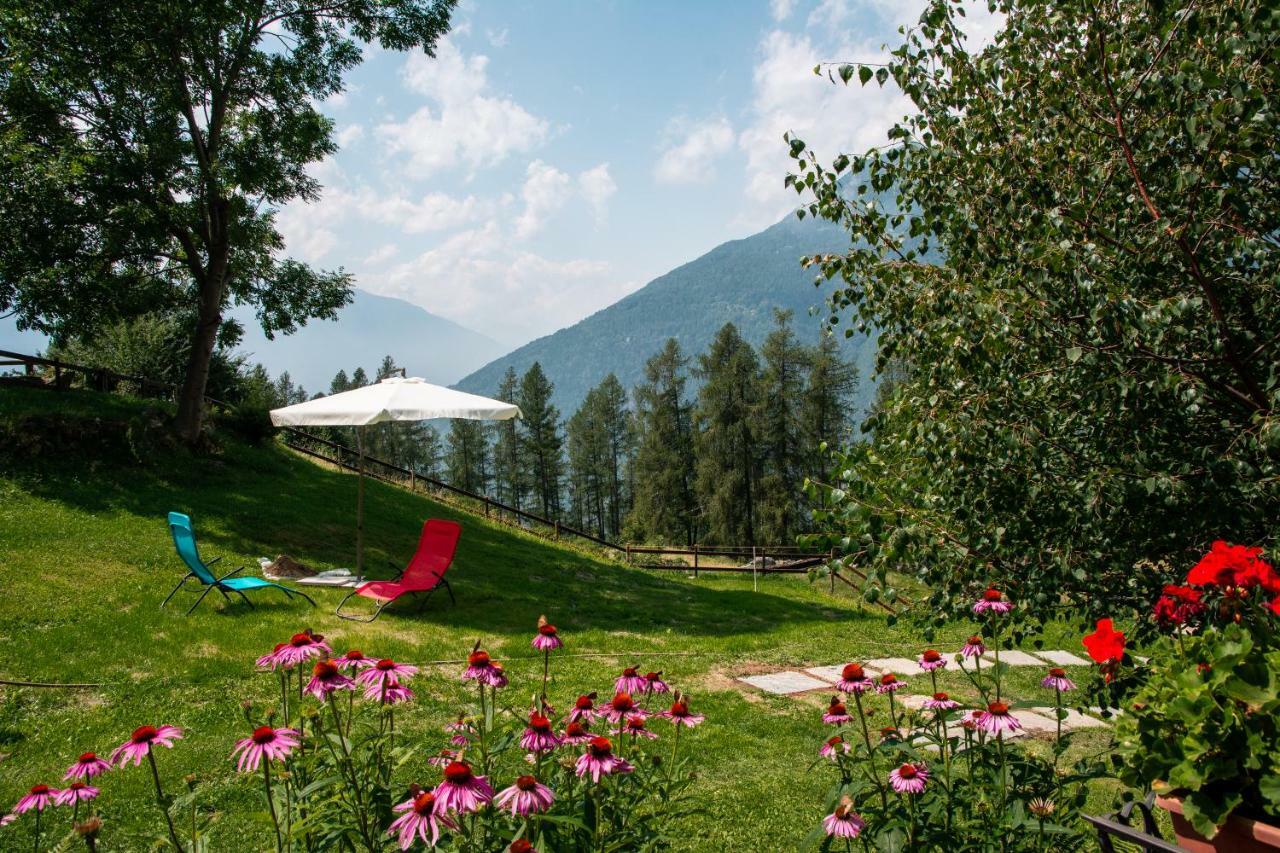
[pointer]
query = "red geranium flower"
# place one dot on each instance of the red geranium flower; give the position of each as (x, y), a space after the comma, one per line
(1234, 565)
(1177, 605)
(1105, 644)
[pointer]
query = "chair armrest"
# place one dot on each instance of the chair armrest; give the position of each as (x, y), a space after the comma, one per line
(230, 573)
(399, 571)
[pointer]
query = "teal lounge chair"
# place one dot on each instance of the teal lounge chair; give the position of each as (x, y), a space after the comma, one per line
(184, 539)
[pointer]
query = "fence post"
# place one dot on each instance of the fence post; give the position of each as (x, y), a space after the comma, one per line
(628, 554)
(755, 571)
(557, 528)
(486, 506)
(695, 560)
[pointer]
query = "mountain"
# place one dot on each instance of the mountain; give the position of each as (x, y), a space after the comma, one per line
(741, 281)
(369, 328)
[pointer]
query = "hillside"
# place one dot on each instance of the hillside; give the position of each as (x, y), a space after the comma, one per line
(741, 281)
(87, 560)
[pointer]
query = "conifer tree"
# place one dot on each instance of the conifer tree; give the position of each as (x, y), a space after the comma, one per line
(663, 508)
(726, 442)
(615, 422)
(510, 469)
(467, 456)
(540, 441)
(827, 413)
(339, 383)
(781, 432)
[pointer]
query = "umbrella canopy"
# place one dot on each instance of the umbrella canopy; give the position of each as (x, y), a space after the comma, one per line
(393, 399)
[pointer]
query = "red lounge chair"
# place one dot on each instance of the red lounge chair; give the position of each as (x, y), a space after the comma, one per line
(425, 572)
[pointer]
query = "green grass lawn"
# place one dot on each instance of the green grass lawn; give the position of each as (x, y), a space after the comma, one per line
(85, 560)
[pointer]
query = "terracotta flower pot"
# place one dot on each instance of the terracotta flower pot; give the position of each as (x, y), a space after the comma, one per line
(1238, 835)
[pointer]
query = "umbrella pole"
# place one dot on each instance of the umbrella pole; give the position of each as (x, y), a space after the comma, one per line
(360, 504)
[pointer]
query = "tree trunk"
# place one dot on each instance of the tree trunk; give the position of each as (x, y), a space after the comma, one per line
(191, 409)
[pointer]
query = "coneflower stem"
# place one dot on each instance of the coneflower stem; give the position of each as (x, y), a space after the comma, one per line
(36, 847)
(271, 805)
(155, 776)
(871, 756)
(546, 672)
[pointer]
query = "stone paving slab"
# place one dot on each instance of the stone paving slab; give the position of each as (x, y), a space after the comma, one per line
(1074, 719)
(1013, 657)
(911, 701)
(783, 683)
(1034, 722)
(834, 673)
(900, 666)
(1063, 658)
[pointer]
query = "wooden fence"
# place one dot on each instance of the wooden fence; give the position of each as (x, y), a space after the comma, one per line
(760, 559)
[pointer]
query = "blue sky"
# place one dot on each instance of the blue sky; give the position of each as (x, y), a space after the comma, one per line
(556, 156)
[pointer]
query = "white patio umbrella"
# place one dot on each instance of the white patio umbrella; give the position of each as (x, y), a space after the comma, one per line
(393, 399)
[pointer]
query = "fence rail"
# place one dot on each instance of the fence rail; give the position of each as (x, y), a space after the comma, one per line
(787, 559)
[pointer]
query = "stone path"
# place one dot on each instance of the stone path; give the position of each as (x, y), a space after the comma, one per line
(1042, 719)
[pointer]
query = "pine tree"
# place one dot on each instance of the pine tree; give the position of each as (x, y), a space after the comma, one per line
(827, 413)
(726, 444)
(663, 508)
(540, 440)
(510, 469)
(358, 378)
(583, 438)
(781, 432)
(615, 422)
(467, 456)
(339, 383)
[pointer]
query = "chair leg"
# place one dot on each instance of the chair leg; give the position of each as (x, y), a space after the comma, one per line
(338, 610)
(449, 590)
(422, 601)
(200, 599)
(246, 600)
(181, 583)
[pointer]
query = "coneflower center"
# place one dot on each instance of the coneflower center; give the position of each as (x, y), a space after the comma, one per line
(932, 656)
(941, 697)
(1000, 709)
(907, 771)
(458, 773)
(385, 665)
(622, 702)
(39, 789)
(478, 658)
(584, 703)
(991, 595)
(575, 729)
(88, 756)
(325, 670)
(424, 803)
(1058, 672)
(853, 672)
(526, 783)
(601, 747)
(539, 723)
(263, 735)
(144, 734)
(547, 630)
(679, 709)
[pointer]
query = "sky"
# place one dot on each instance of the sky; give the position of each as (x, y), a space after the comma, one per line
(557, 155)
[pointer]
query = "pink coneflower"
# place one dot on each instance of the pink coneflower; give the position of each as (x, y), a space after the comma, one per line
(909, 778)
(299, 649)
(653, 683)
(521, 845)
(836, 714)
(265, 742)
(576, 734)
(970, 720)
(622, 706)
(584, 708)
(997, 719)
(39, 798)
(992, 601)
(462, 791)
(890, 734)
(496, 676)
(462, 731)
(353, 661)
(973, 647)
(599, 760)
(853, 679)
(636, 727)
(631, 681)
(527, 796)
(547, 639)
(941, 702)
(421, 819)
(8, 819)
(834, 748)
(888, 683)
(385, 671)
(1057, 680)
(479, 666)
(932, 659)
(325, 679)
(87, 766)
(844, 822)
(444, 758)
(390, 693)
(539, 736)
(679, 714)
(76, 792)
(138, 746)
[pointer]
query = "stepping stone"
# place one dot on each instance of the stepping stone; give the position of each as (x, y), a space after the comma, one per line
(1013, 657)
(783, 683)
(915, 703)
(1063, 658)
(834, 673)
(899, 666)
(1033, 722)
(1074, 719)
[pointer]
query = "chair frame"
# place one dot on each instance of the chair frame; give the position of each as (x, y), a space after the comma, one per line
(1146, 839)
(218, 584)
(441, 581)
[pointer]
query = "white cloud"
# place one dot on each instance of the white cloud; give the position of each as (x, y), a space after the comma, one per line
(349, 134)
(463, 121)
(430, 212)
(688, 160)
(478, 277)
(544, 192)
(781, 9)
(497, 39)
(381, 255)
(597, 187)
